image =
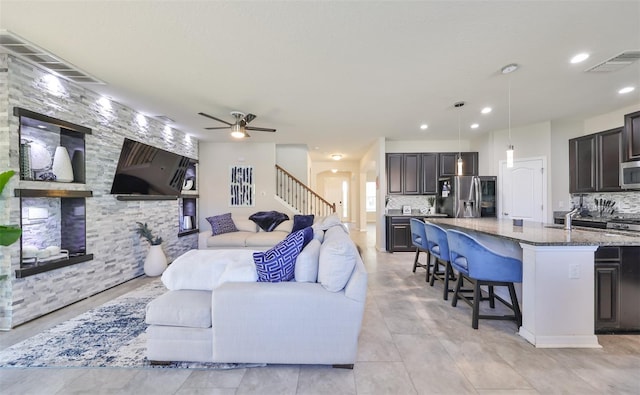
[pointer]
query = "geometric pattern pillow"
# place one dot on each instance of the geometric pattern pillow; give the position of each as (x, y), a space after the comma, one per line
(222, 224)
(302, 221)
(278, 263)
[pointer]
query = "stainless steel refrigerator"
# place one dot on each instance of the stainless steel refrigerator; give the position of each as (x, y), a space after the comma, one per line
(467, 196)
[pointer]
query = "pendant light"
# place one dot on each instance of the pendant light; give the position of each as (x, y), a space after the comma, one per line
(459, 162)
(508, 69)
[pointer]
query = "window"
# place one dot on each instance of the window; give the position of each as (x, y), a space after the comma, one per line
(371, 196)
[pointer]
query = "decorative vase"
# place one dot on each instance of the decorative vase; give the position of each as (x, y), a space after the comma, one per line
(77, 161)
(62, 165)
(432, 210)
(156, 261)
(186, 222)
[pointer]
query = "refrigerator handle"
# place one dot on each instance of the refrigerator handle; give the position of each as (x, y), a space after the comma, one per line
(478, 196)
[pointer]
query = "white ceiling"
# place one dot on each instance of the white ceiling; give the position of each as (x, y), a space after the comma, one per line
(339, 75)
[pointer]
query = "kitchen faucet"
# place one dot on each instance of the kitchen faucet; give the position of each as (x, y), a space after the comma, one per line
(568, 216)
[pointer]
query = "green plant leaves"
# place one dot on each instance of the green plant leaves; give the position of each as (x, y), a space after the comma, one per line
(9, 234)
(4, 178)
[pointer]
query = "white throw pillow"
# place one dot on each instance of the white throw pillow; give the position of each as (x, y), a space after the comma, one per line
(306, 269)
(338, 257)
(201, 269)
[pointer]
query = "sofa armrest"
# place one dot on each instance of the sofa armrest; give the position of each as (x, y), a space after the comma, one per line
(285, 322)
(202, 239)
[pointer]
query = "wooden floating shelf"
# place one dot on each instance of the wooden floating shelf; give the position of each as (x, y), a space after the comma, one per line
(53, 193)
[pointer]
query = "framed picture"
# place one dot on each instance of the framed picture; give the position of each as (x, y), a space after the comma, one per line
(406, 209)
(241, 186)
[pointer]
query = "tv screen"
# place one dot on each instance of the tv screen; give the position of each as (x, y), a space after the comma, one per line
(146, 170)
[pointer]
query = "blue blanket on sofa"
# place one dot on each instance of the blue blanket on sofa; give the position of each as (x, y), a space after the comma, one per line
(268, 220)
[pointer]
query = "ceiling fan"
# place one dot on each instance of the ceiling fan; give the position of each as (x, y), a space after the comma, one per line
(239, 128)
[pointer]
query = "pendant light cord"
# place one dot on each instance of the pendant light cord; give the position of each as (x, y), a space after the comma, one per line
(509, 108)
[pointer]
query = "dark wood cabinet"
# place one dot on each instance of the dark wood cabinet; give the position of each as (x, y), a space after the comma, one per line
(594, 162)
(609, 156)
(449, 161)
(617, 289)
(399, 234)
(395, 173)
(411, 174)
(429, 163)
(582, 164)
(631, 136)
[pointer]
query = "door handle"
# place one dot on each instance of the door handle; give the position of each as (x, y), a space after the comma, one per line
(505, 214)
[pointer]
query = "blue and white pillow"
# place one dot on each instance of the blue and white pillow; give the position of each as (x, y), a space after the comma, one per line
(278, 263)
(222, 224)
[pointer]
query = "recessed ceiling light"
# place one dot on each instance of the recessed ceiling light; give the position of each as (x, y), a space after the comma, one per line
(486, 110)
(626, 89)
(510, 68)
(475, 126)
(424, 126)
(336, 156)
(334, 170)
(581, 57)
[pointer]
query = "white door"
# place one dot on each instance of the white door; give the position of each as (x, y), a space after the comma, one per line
(336, 190)
(523, 189)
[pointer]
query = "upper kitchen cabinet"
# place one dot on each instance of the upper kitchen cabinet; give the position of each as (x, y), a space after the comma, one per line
(395, 173)
(610, 154)
(429, 163)
(632, 136)
(594, 162)
(448, 163)
(403, 174)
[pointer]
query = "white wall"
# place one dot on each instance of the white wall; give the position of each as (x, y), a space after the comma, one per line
(215, 161)
(294, 158)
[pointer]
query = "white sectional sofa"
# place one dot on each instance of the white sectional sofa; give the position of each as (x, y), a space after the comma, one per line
(216, 311)
(249, 235)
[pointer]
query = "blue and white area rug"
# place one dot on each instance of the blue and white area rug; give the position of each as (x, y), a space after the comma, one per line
(112, 335)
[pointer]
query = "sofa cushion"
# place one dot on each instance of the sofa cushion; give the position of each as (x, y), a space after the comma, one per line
(185, 308)
(201, 269)
(221, 224)
(306, 267)
(234, 239)
(302, 221)
(265, 239)
(285, 226)
(277, 263)
(268, 220)
(245, 224)
(239, 271)
(338, 255)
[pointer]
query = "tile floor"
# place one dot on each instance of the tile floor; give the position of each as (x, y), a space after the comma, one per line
(412, 342)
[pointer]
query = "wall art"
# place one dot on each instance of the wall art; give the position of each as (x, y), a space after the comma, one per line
(241, 186)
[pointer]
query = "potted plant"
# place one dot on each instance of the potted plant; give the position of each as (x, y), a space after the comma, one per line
(432, 207)
(156, 262)
(9, 234)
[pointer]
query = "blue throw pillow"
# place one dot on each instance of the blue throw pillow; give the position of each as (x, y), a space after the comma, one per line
(268, 220)
(301, 222)
(222, 224)
(278, 263)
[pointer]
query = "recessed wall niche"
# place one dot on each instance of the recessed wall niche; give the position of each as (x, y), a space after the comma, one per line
(50, 149)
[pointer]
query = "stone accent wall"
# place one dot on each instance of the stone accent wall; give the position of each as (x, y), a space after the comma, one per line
(110, 227)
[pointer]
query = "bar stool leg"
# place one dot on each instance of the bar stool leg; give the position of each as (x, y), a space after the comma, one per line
(415, 261)
(447, 274)
(492, 297)
(516, 306)
(454, 302)
(476, 305)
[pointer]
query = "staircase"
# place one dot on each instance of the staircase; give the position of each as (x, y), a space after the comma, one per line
(297, 195)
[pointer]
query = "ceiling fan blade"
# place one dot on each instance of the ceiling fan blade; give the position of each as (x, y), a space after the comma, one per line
(260, 129)
(218, 127)
(249, 117)
(214, 118)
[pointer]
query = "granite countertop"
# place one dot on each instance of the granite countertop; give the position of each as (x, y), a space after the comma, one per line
(414, 213)
(536, 233)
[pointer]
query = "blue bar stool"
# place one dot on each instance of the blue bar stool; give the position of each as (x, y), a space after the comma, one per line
(419, 240)
(439, 250)
(482, 266)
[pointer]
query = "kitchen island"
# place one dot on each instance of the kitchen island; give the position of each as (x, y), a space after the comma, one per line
(558, 276)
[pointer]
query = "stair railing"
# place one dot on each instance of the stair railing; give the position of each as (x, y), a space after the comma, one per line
(295, 193)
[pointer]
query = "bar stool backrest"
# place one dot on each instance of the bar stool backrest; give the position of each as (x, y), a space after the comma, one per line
(418, 236)
(481, 262)
(437, 241)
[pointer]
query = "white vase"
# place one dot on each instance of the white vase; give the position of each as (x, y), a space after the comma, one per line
(62, 165)
(156, 261)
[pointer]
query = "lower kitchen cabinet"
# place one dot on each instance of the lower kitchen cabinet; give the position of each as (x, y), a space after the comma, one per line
(617, 289)
(399, 234)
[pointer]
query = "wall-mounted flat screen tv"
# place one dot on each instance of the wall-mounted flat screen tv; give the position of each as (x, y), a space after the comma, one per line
(146, 170)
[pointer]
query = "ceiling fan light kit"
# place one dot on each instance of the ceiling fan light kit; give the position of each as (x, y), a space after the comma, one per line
(239, 127)
(336, 156)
